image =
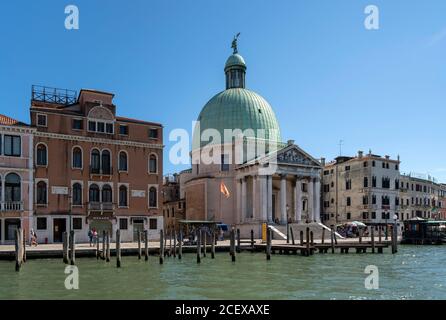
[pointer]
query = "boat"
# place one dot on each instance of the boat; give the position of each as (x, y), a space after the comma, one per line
(422, 231)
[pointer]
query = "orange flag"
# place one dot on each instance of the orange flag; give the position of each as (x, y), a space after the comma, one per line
(224, 190)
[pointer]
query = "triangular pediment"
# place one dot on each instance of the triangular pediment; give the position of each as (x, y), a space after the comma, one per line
(289, 155)
(294, 155)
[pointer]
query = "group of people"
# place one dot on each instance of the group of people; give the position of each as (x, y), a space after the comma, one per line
(93, 236)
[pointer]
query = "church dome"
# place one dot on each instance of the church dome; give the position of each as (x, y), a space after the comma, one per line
(235, 60)
(239, 108)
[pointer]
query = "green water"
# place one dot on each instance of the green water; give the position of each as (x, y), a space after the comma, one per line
(413, 273)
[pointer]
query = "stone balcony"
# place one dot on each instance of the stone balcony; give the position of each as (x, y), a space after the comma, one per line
(11, 206)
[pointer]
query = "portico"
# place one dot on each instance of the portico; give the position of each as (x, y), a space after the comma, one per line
(289, 194)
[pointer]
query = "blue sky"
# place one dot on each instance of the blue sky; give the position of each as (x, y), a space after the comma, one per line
(326, 76)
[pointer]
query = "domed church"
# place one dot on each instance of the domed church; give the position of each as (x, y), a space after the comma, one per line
(242, 173)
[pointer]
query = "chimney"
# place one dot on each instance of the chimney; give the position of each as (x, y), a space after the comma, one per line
(360, 154)
(290, 142)
(387, 157)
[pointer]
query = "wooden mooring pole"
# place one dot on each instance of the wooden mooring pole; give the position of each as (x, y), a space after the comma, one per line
(139, 245)
(180, 246)
(161, 246)
(332, 240)
(233, 250)
(174, 243)
(107, 257)
(97, 247)
(392, 234)
(238, 241)
(323, 236)
(24, 247)
(118, 248)
(252, 241)
(307, 235)
(146, 245)
(268, 243)
(204, 243)
(72, 247)
(292, 236)
(213, 245)
(301, 235)
(65, 247)
(18, 249)
(170, 242)
(380, 234)
(199, 247)
(104, 240)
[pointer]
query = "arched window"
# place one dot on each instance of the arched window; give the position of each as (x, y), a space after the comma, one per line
(106, 166)
(95, 161)
(123, 161)
(77, 194)
(152, 197)
(123, 196)
(77, 158)
(41, 155)
(94, 193)
(41, 193)
(12, 188)
(106, 194)
(153, 165)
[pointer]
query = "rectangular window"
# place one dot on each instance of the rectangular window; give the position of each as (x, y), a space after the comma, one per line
(373, 215)
(349, 201)
(153, 133)
(347, 168)
(101, 127)
(41, 120)
(12, 146)
(41, 224)
(109, 128)
(92, 126)
(123, 130)
(153, 224)
(123, 224)
(77, 223)
(77, 124)
(348, 184)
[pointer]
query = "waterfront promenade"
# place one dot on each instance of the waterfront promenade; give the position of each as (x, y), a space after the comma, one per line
(7, 252)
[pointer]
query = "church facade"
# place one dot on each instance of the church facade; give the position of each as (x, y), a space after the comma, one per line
(242, 173)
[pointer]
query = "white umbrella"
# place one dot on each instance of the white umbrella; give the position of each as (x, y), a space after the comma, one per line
(359, 224)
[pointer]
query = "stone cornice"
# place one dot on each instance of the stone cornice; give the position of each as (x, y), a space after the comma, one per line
(98, 140)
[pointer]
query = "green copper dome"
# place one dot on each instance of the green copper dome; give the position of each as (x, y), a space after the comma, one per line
(235, 60)
(239, 108)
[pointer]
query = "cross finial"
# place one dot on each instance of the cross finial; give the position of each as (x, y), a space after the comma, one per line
(234, 43)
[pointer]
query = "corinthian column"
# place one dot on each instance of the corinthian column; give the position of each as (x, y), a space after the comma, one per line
(269, 195)
(283, 217)
(310, 202)
(317, 200)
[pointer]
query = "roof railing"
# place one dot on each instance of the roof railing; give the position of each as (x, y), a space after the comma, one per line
(53, 95)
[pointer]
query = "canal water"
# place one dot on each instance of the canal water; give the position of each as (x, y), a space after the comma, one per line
(413, 273)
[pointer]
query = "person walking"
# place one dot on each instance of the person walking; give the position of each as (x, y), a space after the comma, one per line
(91, 236)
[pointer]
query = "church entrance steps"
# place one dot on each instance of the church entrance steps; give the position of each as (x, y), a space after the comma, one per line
(278, 232)
(316, 228)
